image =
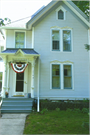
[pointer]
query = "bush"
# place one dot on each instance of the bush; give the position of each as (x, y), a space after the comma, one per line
(77, 110)
(85, 110)
(43, 111)
(57, 109)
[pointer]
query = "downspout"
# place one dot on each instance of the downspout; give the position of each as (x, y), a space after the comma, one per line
(38, 104)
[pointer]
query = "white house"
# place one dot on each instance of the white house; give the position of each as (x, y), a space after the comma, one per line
(45, 55)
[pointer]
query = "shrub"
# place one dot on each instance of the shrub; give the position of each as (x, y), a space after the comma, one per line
(85, 110)
(44, 110)
(76, 109)
(69, 110)
(57, 109)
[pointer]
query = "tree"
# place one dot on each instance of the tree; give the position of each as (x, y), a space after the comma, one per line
(4, 21)
(83, 5)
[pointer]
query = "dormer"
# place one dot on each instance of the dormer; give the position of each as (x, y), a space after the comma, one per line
(60, 13)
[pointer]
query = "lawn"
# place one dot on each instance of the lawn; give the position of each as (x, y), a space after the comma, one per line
(57, 122)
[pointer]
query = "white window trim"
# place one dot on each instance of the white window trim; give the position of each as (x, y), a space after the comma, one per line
(64, 11)
(71, 41)
(14, 37)
(61, 38)
(61, 63)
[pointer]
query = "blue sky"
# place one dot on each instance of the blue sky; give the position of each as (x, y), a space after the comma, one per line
(17, 9)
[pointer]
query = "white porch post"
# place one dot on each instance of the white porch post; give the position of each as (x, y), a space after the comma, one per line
(8, 69)
(4, 77)
(32, 77)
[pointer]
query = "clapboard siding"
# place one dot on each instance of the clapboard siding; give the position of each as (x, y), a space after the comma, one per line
(10, 40)
(79, 56)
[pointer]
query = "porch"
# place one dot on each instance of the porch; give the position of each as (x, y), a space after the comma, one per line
(19, 79)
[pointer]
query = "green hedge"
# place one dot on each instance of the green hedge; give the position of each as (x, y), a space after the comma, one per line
(50, 105)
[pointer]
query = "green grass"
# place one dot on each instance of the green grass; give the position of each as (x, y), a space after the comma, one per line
(57, 122)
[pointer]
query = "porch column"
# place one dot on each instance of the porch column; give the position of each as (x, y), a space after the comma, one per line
(32, 82)
(8, 69)
(4, 77)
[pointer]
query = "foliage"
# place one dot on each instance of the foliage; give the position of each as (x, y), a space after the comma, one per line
(4, 21)
(85, 110)
(44, 111)
(56, 122)
(83, 5)
(87, 47)
(76, 109)
(57, 109)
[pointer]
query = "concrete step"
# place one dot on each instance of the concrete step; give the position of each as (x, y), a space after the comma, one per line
(15, 105)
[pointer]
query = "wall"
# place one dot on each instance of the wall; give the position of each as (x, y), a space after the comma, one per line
(79, 56)
(10, 40)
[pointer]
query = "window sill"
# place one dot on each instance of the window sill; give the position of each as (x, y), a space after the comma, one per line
(62, 89)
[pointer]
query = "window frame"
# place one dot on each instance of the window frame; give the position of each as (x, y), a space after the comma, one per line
(64, 13)
(62, 74)
(52, 40)
(71, 40)
(18, 31)
(71, 76)
(59, 76)
(61, 39)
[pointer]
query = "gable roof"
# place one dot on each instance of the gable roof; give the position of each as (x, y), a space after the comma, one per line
(70, 4)
(28, 22)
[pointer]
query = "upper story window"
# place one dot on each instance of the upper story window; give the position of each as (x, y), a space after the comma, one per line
(55, 40)
(19, 39)
(66, 40)
(61, 40)
(60, 13)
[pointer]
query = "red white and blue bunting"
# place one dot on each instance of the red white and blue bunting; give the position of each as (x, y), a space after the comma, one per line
(19, 68)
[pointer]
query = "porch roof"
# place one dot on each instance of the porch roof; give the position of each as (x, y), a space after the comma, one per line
(24, 50)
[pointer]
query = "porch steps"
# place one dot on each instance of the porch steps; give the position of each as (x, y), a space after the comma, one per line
(17, 105)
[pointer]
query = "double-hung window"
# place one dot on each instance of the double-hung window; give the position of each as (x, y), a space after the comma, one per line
(66, 40)
(67, 76)
(62, 40)
(56, 76)
(0, 81)
(62, 76)
(55, 40)
(19, 39)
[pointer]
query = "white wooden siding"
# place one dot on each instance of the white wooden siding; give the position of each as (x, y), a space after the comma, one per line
(79, 56)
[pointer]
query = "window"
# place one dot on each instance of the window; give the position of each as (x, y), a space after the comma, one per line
(61, 76)
(67, 77)
(61, 40)
(0, 81)
(55, 40)
(19, 40)
(60, 14)
(56, 76)
(66, 40)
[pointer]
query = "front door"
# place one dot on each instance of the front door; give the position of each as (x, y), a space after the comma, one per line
(19, 82)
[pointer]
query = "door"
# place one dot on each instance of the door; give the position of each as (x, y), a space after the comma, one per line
(19, 82)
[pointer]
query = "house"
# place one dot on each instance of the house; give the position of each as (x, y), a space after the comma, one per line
(2, 45)
(45, 57)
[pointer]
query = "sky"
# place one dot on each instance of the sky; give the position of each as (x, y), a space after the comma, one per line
(18, 9)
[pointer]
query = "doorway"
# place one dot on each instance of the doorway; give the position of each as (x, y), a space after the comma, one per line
(19, 82)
